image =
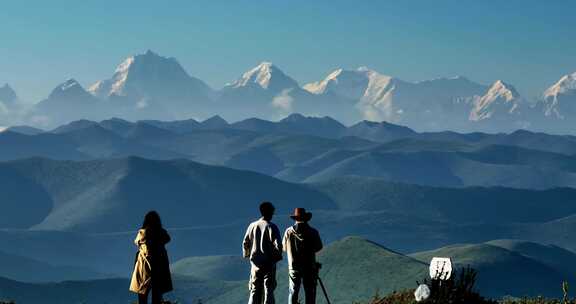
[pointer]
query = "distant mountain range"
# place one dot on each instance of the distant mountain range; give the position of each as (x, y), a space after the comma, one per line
(150, 86)
(310, 149)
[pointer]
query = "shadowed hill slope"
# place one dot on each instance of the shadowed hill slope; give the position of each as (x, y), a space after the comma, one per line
(556, 257)
(96, 196)
(28, 270)
(221, 267)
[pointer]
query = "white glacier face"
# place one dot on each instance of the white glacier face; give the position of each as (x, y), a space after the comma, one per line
(150, 86)
(361, 83)
(151, 76)
(378, 85)
(266, 76)
(260, 75)
(565, 84)
(367, 88)
(431, 104)
(115, 85)
(558, 100)
(501, 99)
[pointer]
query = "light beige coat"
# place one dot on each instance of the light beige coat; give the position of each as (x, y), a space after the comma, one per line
(141, 277)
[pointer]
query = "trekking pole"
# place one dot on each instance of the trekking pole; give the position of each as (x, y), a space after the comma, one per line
(318, 266)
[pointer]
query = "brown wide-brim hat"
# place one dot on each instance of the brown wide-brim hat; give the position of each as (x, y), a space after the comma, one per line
(301, 215)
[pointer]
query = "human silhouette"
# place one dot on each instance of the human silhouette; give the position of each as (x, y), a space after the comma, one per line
(301, 243)
(263, 246)
(152, 268)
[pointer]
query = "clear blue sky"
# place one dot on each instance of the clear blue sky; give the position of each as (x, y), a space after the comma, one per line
(527, 43)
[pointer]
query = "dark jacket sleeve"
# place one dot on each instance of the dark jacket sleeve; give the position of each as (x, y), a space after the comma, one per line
(165, 237)
(317, 241)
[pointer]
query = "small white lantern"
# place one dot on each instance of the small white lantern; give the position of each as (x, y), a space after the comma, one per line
(422, 293)
(440, 268)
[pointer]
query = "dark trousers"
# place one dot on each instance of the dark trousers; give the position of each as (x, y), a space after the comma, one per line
(302, 278)
(156, 297)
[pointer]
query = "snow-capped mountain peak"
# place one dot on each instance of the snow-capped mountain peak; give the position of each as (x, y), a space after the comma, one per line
(565, 84)
(69, 84)
(362, 83)
(69, 89)
(377, 83)
(265, 75)
(260, 75)
(503, 90)
(319, 87)
(565, 87)
(150, 75)
(500, 99)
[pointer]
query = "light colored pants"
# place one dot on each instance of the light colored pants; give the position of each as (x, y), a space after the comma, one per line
(262, 284)
(299, 278)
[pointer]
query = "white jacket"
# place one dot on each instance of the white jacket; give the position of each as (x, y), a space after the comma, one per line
(262, 243)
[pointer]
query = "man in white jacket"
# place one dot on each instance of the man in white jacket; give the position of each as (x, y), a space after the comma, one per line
(301, 242)
(263, 246)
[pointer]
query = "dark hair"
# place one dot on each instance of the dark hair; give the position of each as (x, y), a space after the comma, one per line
(152, 221)
(266, 209)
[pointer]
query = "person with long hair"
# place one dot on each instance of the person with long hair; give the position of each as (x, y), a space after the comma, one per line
(151, 269)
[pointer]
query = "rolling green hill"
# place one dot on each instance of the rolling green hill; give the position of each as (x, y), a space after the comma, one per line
(354, 269)
(28, 270)
(501, 271)
(556, 257)
(456, 205)
(187, 290)
(221, 267)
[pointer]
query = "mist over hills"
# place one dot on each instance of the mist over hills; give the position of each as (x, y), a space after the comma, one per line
(150, 86)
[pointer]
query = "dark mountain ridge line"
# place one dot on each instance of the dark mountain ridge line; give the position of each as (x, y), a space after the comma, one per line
(497, 205)
(295, 124)
(520, 159)
(387, 131)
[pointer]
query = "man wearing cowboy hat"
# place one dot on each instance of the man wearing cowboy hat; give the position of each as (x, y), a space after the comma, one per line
(262, 245)
(301, 242)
